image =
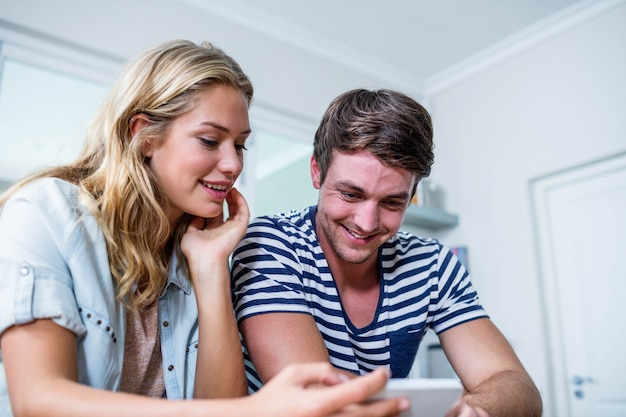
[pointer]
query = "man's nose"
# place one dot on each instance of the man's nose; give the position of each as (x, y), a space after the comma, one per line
(368, 216)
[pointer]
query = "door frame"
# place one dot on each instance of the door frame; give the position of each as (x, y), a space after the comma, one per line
(558, 403)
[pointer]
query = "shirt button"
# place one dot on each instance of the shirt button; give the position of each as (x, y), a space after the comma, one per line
(165, 324)
(171, 367)
(24, 271)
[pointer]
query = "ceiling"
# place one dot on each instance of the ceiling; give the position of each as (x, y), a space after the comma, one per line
(417, 41)
(416, 44)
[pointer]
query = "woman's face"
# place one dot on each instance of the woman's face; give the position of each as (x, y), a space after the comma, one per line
(201, 155)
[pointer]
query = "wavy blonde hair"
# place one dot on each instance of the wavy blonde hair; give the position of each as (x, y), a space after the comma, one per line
(162, 83)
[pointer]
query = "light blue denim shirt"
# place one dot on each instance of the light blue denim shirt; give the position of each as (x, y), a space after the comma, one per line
(54, 265)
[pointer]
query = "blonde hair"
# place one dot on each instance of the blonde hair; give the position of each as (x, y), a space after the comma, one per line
(162, 84)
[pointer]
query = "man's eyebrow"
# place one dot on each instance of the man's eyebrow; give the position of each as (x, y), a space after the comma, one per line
(348, 184)
(354, 187)
(400, 196)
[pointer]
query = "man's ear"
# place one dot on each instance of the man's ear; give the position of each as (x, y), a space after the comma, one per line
(138, 122)
(315, 173)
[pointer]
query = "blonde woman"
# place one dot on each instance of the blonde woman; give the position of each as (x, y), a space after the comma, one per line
(114, 275)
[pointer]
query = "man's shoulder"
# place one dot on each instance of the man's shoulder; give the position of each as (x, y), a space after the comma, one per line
(405, 249)
(292, 220)
(407, 240)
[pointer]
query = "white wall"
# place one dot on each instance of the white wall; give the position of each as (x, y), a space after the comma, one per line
(557, 105)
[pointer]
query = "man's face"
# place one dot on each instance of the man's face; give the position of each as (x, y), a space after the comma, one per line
(361, 204)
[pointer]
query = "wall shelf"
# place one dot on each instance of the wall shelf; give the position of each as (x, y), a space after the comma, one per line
(4, 185)
(429, 218)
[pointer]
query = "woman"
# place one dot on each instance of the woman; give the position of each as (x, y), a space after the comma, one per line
(114, 278)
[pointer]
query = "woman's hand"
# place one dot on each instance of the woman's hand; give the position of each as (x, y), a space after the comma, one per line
(217, 238)
(207, 244)
(316, 390)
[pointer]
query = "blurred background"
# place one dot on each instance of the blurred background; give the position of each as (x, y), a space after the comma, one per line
(528, 100)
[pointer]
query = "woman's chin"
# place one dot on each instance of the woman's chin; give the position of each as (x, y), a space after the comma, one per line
(212, 213)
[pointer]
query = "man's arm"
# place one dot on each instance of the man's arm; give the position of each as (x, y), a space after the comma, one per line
(275, 340)
(493, 376)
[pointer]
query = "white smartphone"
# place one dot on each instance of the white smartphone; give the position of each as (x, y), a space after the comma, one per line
(429, 397)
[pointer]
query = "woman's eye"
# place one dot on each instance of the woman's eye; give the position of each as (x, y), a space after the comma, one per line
(209, 143)
(241, 147)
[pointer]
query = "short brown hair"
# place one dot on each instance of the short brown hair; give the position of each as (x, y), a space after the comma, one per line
(390, 125)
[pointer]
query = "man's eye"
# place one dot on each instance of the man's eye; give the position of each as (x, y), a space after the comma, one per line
(393, 204)
(349, 195)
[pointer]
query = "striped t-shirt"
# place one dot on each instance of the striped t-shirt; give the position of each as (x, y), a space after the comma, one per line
(279, 267)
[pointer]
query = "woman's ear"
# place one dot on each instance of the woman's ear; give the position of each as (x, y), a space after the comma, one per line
(138, 122)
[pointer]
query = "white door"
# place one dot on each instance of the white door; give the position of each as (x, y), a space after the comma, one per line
(581, 228)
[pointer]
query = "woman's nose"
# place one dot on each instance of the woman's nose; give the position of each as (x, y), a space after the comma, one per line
(231, 161)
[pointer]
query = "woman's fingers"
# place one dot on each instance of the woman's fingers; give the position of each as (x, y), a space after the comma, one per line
(361, 388)
(237, 206)
(332, 393)
(307, 374)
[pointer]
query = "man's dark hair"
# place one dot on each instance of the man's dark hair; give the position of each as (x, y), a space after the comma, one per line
(390, 125)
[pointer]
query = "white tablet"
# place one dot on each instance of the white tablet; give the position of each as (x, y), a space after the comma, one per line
(429, 397)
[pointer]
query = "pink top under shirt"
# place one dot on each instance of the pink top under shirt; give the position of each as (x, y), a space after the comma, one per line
(142, 372)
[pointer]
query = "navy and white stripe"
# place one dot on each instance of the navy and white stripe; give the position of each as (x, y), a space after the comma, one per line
(279, 267)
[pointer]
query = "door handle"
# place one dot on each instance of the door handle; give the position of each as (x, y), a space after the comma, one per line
(580, 380)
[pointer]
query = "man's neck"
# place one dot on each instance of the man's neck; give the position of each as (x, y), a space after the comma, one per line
(358, 286)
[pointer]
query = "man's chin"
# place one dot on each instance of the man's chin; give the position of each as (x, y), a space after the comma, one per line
(355, 257)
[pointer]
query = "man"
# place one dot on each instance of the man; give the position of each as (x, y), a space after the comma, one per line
(339, 282)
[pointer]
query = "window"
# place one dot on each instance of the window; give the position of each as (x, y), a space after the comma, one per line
(48, 94)
(276, 170)
(282, 179)
(43, 117)
(49, 91)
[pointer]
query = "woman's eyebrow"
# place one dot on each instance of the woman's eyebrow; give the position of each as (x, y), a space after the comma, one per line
(223, 128)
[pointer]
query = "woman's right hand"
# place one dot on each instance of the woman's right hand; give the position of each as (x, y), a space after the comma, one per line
(217, 237)
(316, 390)
(207, 244)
